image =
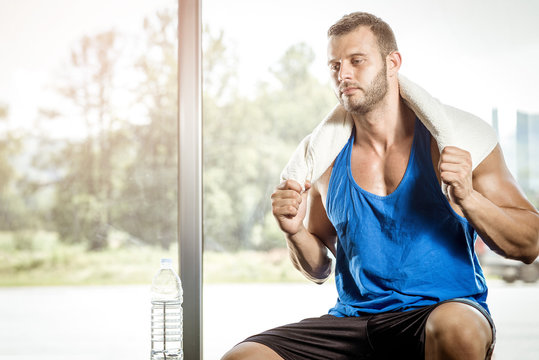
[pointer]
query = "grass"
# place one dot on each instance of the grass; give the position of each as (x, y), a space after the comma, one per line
(46, 261)
(250, 266)
(39, 259)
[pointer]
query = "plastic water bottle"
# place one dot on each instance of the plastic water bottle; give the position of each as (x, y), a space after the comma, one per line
(167, 314)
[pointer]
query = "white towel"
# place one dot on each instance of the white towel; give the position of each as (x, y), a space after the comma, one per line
(448, 125)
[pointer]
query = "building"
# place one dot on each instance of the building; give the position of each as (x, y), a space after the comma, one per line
(527, 147)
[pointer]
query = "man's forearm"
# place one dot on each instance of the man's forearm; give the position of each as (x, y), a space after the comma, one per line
(309, 255)
(511, 232)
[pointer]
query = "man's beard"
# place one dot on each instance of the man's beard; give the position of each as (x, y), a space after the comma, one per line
(376, 91)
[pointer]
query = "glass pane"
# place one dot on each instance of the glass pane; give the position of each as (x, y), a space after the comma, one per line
(88, 169)
(266, 86)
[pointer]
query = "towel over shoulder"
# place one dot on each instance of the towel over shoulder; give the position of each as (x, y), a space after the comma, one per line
(449, 127)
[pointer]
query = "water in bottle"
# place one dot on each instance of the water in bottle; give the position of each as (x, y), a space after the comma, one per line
(167, 315)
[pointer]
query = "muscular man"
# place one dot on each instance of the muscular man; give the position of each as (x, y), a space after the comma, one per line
(408, 280)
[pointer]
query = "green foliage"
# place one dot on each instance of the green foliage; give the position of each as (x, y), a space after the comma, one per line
(120, 174)
(247, 142)
(23, 240)
(301, 101)
(13, 212)
(81, 213)
(147, 206)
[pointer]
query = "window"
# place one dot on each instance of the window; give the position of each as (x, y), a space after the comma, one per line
(89, 161)
(88, 168)
(266, 87)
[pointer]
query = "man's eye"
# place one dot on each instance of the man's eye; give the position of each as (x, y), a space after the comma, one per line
(356, 61)
(334, 67)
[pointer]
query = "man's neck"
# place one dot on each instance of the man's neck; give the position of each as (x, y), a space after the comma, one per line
(389, 123)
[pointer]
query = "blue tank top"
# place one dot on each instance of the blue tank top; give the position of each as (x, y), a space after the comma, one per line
(402, 251)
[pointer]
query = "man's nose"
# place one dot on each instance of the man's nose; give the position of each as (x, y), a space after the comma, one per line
(345, 71)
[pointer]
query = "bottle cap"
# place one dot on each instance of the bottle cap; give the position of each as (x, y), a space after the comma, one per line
(166, 262)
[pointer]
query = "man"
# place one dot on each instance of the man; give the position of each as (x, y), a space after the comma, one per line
(408, 280)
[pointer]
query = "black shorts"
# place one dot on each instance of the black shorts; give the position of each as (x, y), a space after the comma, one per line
(397, 335)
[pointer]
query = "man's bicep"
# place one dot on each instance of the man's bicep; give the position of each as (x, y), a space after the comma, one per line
(493, 180)
(318, 222)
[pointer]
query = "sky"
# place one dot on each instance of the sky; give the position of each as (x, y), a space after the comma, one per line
(475, 55)
(37, 34)
(36, 37)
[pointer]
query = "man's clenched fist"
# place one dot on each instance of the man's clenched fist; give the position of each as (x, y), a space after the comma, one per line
(289, 205)
(456, 171)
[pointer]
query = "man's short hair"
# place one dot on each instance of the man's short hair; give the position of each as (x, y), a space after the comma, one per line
(382, 31)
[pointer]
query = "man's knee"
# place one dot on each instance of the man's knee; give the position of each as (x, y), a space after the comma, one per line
(250, 351)
(457, 330)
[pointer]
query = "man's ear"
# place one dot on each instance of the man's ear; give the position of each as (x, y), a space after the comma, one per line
(393, 63)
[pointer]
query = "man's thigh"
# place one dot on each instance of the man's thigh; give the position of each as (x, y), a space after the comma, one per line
(382, 336)
(458, 329)
(395, 334)
(251, 351)
(326, 337)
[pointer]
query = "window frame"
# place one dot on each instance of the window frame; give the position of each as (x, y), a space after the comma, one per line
(190, 242)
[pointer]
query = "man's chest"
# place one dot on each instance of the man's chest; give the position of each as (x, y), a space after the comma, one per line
(379, 174)
(382, 175)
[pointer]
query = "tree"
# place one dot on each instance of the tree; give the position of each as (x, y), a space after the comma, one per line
(116, 173)
(88, 165)
(149, 199)
(301, 100)
(248, 141)
(12, 209)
